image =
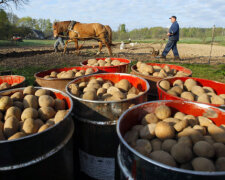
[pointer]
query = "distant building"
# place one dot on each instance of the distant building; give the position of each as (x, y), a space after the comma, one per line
(36, 34)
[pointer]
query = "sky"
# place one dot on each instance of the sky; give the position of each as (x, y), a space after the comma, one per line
(133, 13)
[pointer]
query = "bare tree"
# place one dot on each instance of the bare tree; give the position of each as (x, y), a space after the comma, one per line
(17, 3)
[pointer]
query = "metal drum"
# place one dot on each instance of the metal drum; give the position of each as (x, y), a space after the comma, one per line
(11, 79)
(116, 69)
(57, 83)
(134, 165)
(45, 155)
(218, 87)
(153, 94)
(95, 126)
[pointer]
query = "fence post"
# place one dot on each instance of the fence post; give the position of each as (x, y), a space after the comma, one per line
(213, 32)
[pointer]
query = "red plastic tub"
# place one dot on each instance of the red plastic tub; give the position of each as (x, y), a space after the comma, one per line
(218, 87)
(119, 69)
(11, 79)
(153, 80)
(136, 166)
(57, 83)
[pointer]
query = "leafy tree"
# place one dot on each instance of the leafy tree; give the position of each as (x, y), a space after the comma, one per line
(18, 3)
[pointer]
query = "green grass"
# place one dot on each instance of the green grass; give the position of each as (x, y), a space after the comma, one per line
(27, 43)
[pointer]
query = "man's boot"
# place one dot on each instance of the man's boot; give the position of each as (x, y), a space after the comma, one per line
(56, 49)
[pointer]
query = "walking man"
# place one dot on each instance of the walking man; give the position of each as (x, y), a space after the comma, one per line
(173, 38)
(57, 42)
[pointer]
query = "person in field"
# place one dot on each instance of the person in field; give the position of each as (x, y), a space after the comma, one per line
(173, 38)
(59, 41)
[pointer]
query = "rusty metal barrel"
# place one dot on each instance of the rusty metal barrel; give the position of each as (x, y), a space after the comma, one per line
(44, 155)
(95, 126)
(15, 81)
(134, 165)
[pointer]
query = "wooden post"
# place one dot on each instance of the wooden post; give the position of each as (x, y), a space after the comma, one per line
(213, 32)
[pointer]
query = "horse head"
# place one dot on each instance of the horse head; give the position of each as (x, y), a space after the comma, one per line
(55, 29)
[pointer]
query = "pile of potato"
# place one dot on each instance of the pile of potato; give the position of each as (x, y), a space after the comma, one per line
(104, 90)
(29, 112)
(157, 71)
(191, 90)
(106, 62)
(69, 74)
(6, 85)
(179, 140)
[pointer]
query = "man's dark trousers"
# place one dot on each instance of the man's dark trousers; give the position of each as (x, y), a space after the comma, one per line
(171, 44)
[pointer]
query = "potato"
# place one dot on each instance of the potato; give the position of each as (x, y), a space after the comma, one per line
(74, 90)
(171, 121)
(185, 140)
(202, 164)
(17, 135)
(133, 90)
(53, 74)
(222, 96)
(189, 83)
(203, 98)
(50, 122)
(46, 113)
(208, 89)
(89, 95)
(29, 113)
(11, 126)
(192, 120)
(124, 85)
(60, 115)
(155, 74)
(146, 68)
(162, 112)
(89, 71)
(181, 153)
(112, 90)
(5, 103)
(217, 133)
(39, 122)
(149, 118)
(29, 90)
(162, 75)
(82, 85)
(60, 104)
(47, 77)
(181, 125)
(148, 131)
(129, 96)
(217, 100)
(156, 144)
(131, 137)
(41, 92)
(173, 93)
(93, 85)
(18, 104)
(164, 131)
(179, 115)
(187, 95)
(17, 96)
(46, 101)
(101, 91)
(106, 85)
(29, 126)
(13, 112)
(192, 133)
(167, 69)
(197, 90)
(168, 144)
(30, 101)
(177, 89)
(204, 149)
(44, 127)
(201, 129)
(163, 157)
(115, 62)
(165, 85)
(186, 166)
(220, 164)
(143, 146)
(219, 149)
(137, 127)
(209, 139)
(100, 80)
(178, 82)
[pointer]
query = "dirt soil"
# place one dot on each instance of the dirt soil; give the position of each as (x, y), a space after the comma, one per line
(16, 57)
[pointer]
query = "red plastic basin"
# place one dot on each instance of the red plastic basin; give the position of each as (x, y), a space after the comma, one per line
(10, 79)
(218, 87)
(120, 68)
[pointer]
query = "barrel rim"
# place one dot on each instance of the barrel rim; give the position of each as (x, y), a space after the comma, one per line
(16, 86)
(63, 79)
(35, 134)
(180, 98)
(107, 102)
(136, 153)
(114, 58)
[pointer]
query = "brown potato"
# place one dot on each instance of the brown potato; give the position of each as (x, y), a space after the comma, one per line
(192, 133)
(185, 140)
(222, 96)
(41, 92)
(29, 113)
(17, 96)
(201, 129)
(208, 89)
(50, 122)
(204, 149)
(202, 164)
(89, 95)
(18, 104)
(30, 101)
(5, 103)
(124, 85)
(17, 135)
(179, 115)
(89, 71)
(204, 121)
(82, 85)
(219, 149)
(186, 166)
(209, 139)
(133, 90)
(46, 113)
(137, 127)
(4, 85)
(168, 144)
(11, 126)
(156, 144)
(203, 98)
(217, 133)
(60, 115)
(149, 118)
(181, 125)
(74, 89)
(171, 121)
(187, 95)
(177, 89)
(29, 126)
(101, 91)
(143, 146)
(39, 122)
(162, 112)
(181, 153)
(178, 82)
(197, 90)
(100, 80)
(106, 85)
(217, 100)
(29, 90)
(44, 127)
(189, 83)
(148, 131)
(163, 157)
(173, 93)
(165, 85)
(53, 74)
(46, 101)
(60, 104)
(131, 137)
(13, 112)
(164, 131)
(129, 96)
(192, 120)
(220, 164)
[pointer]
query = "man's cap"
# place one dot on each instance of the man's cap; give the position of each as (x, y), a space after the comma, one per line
(173, 17)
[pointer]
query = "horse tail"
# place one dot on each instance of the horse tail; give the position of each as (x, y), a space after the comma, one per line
(109, 32)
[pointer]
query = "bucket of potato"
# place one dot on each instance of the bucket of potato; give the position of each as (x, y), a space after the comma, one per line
(11, 82)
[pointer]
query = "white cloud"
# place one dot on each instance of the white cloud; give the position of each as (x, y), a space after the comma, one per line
(134, 13)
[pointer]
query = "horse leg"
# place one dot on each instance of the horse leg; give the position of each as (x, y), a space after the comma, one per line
(65, 47)
(100, 48)
(107, 45)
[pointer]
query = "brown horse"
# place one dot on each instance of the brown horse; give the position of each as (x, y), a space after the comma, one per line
(82, 31)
